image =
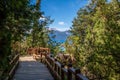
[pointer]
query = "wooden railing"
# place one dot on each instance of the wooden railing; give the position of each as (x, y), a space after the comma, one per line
(59, 71)
(8, 73)
(62, 72)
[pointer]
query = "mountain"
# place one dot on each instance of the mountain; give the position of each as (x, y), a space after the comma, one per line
(60, 36)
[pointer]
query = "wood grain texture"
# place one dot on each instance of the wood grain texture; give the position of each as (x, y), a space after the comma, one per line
(30, 69)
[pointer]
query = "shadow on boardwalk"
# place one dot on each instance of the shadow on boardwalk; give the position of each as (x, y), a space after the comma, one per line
(29, 69)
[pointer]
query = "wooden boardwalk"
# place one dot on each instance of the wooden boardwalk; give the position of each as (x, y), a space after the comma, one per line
(30, 69)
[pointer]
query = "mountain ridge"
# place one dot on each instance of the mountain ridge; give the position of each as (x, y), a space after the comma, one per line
(60, 36)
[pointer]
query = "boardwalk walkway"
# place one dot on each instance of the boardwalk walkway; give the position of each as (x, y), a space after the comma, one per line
(30, 69)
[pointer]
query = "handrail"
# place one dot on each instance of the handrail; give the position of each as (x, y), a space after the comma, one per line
(8, 73)
(60, 72)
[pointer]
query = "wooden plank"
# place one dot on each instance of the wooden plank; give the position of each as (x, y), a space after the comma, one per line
(29, 69)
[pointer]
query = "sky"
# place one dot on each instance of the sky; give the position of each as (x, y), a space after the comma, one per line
(62, 12)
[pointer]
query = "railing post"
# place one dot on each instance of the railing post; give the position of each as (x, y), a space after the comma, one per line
(40, 56)
(55, 69)
(77, 71)
(62, 72)
(69, 75)
(55, 65)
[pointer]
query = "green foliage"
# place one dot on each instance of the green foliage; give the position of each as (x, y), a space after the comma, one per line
(55, 47)
(95, 40)
(21, 28)
(14, 22)
(40, 32)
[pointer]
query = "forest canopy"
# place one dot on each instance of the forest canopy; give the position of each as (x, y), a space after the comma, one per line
(21, 27)
(95, 40)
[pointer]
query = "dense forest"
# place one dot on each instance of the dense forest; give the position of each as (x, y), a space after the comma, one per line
(94, 41)
(22, 25)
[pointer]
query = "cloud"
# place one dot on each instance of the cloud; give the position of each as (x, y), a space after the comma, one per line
(60, 28)
(42, 19)
(63, 29)
(61, 23)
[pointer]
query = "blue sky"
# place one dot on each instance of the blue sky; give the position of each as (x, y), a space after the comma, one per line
(61, 11)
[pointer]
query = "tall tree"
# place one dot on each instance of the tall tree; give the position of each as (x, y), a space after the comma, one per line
(97, 27)
(40, 31)
(15, 19)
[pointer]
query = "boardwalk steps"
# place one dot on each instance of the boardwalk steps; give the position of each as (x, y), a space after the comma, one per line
(30, 69)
